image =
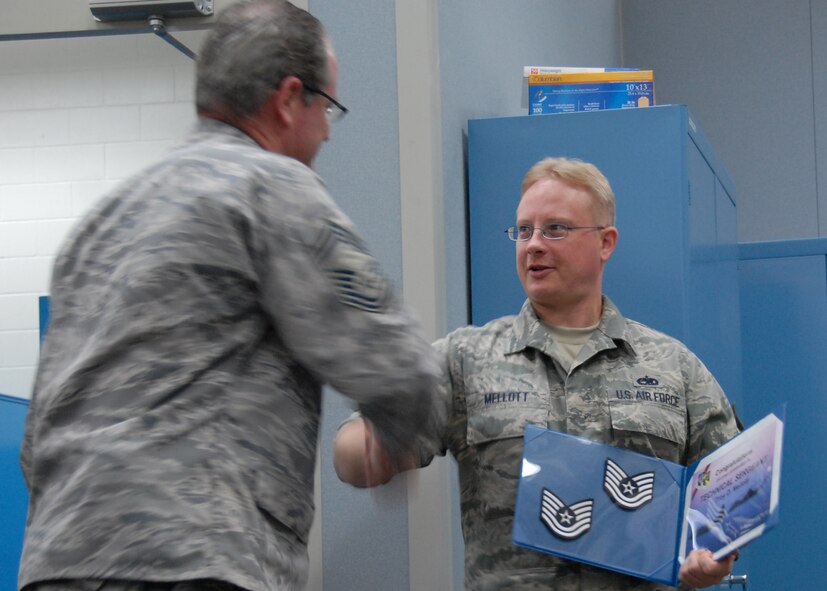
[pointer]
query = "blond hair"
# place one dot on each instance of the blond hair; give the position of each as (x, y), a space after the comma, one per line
(578, 174)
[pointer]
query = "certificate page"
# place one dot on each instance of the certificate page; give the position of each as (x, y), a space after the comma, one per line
(732, 494)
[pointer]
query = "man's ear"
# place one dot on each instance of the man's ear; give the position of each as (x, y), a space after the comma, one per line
(284, 100)
(609, 242)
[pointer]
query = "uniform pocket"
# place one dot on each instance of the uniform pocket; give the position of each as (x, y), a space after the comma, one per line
(503, 414)
(651, 429)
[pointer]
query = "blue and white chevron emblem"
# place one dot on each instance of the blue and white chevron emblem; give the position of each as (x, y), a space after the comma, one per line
(567, 522)
(629, 492)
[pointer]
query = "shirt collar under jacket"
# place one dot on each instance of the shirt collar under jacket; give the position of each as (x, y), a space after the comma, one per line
(529, 331)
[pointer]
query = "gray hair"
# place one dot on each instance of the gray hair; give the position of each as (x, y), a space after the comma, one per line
(583, 175)
(253, 46)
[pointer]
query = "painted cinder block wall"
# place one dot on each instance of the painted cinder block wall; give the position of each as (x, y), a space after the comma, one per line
(77, 115)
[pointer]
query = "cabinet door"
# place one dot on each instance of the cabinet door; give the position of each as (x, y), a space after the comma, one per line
(728, 317)
(641, 152)
(713, 309)
(784, 323)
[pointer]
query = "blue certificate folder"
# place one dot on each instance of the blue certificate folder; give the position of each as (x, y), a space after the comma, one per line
(640, 515)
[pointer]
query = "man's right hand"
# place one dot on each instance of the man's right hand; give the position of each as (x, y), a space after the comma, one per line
(360, 459)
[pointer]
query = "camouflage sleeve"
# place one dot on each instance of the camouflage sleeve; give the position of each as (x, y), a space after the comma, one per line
(337, 313)
(710, 415)
(435, 438)
(448, 421)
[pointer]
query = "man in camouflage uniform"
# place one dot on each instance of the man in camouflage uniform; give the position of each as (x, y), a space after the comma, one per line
(196, 313)
(569, 362)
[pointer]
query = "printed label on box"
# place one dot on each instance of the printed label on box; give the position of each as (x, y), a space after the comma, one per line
(590, 91)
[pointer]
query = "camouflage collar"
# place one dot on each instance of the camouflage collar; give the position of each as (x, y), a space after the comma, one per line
(528, 331)
(210, 126)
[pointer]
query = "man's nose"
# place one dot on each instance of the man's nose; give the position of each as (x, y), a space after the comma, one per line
(537, 241)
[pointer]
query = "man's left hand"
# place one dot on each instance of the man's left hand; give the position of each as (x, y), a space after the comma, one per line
(701, 570)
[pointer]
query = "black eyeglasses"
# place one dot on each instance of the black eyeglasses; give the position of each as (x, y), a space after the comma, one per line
(524, 233)
(335, 110)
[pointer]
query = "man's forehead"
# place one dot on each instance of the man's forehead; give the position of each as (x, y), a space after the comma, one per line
(550, 189)
(332, 62)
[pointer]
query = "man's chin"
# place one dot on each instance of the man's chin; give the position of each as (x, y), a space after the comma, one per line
(539, 292)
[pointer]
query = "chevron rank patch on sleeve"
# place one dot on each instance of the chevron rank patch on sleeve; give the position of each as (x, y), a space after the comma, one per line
(355, 274)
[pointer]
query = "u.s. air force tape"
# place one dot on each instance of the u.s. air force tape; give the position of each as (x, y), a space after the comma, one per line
(356, 276)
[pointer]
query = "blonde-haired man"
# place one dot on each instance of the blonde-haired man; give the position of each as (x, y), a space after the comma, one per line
(557, 364)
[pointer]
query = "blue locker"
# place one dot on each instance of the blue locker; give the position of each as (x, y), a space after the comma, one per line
(13, 495)
(784, 320)
(675, 267)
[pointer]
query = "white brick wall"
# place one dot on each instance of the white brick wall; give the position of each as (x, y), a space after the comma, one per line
(76, 117)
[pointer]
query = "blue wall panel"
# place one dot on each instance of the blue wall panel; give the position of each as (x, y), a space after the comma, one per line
(13, 495)
(43, 310)
(360, 166)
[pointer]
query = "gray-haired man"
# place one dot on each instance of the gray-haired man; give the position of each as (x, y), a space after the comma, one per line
(196, 313)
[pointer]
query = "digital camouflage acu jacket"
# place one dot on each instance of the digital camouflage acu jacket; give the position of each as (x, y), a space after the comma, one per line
(630, 386)
(195, 315)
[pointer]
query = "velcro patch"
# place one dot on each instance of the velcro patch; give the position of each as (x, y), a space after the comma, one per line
(358, 281)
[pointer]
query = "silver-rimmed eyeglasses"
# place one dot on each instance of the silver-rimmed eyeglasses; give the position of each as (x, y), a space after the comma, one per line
(335, 110)
(523, 233)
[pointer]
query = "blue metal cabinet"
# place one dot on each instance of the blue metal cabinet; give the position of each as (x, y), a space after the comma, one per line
(784, 320)
(13, 494)
(675, 266)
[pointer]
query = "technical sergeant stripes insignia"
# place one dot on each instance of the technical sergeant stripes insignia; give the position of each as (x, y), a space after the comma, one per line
(567, 522)
(629, 492)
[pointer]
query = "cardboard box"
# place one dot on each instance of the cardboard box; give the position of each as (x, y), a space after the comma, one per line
(531, 70)
(589, 90)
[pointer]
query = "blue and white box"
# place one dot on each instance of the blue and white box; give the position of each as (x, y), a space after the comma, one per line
(571, 90)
